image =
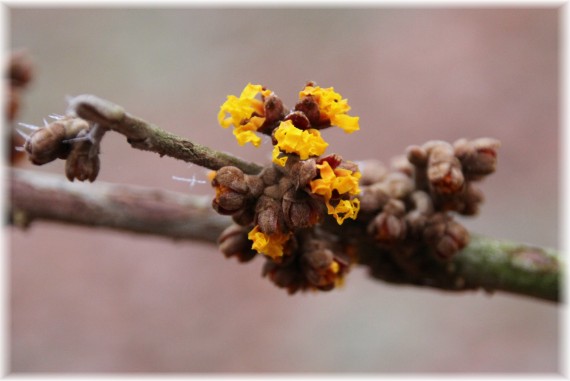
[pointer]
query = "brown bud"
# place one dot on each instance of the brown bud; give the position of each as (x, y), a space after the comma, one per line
(268, 215)
(309, 106)
(389, 226)
(300, 210)
(321, 266)
(20, 70)
(478, 157)
(372, 198)
(445, 236)
(417, 155)
(299, 120)
(303, 172)
(82, 163)
(274, 110)
(232, 178)
(316, 265)
(46, 144)
(466, 202)
(233, 242)
(373, 171)
(285, 276)
(444, 169)
(227, 201)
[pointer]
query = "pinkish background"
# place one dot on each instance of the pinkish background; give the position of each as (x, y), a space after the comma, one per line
(86, 300)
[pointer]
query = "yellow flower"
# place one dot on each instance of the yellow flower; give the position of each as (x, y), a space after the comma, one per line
(290, 139)
(270, 245)
(344, 182)
(332, 107)
(246, 114)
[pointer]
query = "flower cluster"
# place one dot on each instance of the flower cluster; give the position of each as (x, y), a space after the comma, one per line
(278, 212)
(408, 208)
(403, 215)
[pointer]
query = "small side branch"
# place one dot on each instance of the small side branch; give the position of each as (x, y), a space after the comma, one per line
(148, 137)
(485, 263)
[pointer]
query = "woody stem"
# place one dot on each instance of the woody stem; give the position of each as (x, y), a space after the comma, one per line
(148, 137)
(485, 263)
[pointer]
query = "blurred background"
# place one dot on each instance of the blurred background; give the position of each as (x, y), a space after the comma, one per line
(88, 300)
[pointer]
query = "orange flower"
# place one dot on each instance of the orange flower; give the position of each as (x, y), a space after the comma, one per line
(241, 114)
(290, 139)
(332, 107)
(344, 182)
(270, 245)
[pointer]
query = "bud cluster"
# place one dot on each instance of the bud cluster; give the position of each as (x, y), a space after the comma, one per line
(68, 138)
(278, 211)
(277, 214)
(407, 207)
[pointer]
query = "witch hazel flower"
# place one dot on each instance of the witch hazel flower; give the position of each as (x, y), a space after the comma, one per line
(296, 192)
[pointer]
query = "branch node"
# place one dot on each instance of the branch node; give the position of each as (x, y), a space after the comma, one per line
(95, 109)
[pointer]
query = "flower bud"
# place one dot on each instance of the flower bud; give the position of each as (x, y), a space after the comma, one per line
(444, 169)
(268, 215)
(232, 178)
(303, 172)
(417, 156)
(478, 157)
(227, 202)
(372, 198)
(299, 120)
(285, 276)
(300, 211)
(389, 226)
(444, 235)
(233, 242)
(309, 106)
(20, 69)
(372, 171)
(82, 163)
(274, 110)
(46, 144)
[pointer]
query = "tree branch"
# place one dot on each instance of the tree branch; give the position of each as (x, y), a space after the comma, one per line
(148, 137)
(485, 263)
(37, 196)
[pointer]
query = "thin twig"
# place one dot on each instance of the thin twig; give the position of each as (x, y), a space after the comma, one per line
(148, 137)
(486, 263)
